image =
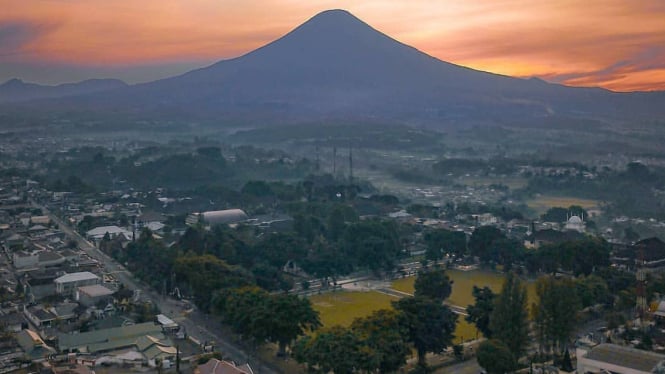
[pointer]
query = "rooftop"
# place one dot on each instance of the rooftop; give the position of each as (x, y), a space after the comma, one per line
(624, 356)
(107, 339)
(101, 231)
(96, 290)
(76, 277)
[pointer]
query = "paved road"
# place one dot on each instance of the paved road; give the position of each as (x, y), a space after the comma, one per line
(465, 367)
(199, 326)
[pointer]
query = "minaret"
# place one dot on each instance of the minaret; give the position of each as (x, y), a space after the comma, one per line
(334, 161)
(318, 162)
(350, 164)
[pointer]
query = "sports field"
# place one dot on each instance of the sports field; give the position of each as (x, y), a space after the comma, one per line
(341, 308)
(463, 282)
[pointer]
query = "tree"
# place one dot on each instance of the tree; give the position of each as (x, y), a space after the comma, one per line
(433, 284)
(482, 241)
(286, 317)
(429, 325)
(509, 320)
(382, 336)
(481, 310)
(441, 241)
(495, 357)
(556, 311)
(258, 315)
(335, 349)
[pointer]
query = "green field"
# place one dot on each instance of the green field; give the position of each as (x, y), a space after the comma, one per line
(511, 182)
(463, 282)
(541, 203)
(341, 308)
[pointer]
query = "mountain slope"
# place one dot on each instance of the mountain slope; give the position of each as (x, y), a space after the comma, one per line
(15, 90)
(336, 66)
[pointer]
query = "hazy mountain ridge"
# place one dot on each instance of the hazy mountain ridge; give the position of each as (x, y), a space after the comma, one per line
(336, 66)
(16, 90)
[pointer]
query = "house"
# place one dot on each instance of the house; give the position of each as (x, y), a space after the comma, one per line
(215, 366)
(65, 368)
(649, 253)
(168, 325)
(109, 339)
(550, 236)
(13, 322)
(68, 283)
(98, 233)
(23, 259)
(155, 350)
(42, 316)
(612, 358)
(45, 258)
(39, 283)
(94, 294)
(49, 258)
(33, 345)
(39, 315)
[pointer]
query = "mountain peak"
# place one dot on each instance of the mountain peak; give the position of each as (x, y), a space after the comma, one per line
(13, 82)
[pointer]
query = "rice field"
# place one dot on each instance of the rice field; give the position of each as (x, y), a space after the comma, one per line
(542, 203)
(512, 182)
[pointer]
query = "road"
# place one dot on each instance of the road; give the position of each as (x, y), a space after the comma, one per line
(465, 367)
(198, 325)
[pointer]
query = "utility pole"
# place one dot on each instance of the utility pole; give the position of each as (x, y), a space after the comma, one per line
(641, 284)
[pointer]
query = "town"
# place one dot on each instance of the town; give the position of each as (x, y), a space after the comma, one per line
(129, 279)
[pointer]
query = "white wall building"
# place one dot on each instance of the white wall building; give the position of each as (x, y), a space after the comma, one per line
(68, 283)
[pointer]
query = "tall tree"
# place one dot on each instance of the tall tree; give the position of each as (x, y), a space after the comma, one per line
(495, 357)
(482, 242)
(481, 310)
(556, 311)
(383, 337)
(429, 325)
(336, 349)
(433, 284)
(509, 320)
(286, 317)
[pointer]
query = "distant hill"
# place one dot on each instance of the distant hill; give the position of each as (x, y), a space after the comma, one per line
(336, 66)
(16, 90)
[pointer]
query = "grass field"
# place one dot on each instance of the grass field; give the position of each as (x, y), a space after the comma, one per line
(463, 282)
(341, 308)
(544, 202)
(512, 182)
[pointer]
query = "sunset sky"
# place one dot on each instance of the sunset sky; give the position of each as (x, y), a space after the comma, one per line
(616, 44)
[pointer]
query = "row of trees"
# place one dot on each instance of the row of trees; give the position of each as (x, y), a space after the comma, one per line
(262, 317)
(504, 318)
(382, 341)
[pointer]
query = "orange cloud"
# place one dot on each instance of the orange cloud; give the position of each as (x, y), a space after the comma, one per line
(608, 43)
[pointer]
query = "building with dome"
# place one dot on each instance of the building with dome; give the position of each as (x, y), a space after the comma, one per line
(575, 223)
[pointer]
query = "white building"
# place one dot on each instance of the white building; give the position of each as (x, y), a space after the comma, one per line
(217, 217)
(612, 358)
(97, 234)
(68, 283)
(575, 223)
